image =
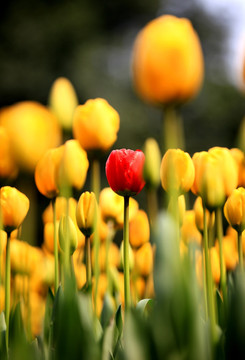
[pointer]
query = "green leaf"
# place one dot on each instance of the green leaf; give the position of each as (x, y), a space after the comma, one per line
(107, 310)
(145, 306)
(3, 353)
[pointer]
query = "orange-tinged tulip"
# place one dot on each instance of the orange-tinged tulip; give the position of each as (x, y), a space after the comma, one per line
(8, 167)
(177, 171)
(139, 229)
(86, 214)
(32, 130)
(215, 264)
(14, 207)
(168, 62)
(230, 252)
(239, 157)
(48, 236)
(111, 206)
(2, 298)
(61, 207)
(113, 256)
(144, 260)
(73, 166)
(189, 231)
(234, 209)
(63, 101)
(47, 170)
(95, 125)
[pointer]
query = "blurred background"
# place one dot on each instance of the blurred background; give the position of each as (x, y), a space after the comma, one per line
(90, 42)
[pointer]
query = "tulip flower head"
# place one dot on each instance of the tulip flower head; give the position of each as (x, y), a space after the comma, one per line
(177, 171)
(234, 209)
(14, 207)
(167, 61)
(95, 125)
(124, 171)
(86, 213)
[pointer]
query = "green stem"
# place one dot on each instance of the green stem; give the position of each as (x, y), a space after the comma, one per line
(56, 258)
(204, 286)
(7, 289)
(67, 242)
(223, 284)
(173, 133)
(240, 253)
(95, 184)
(88, 261)
(209, 279)
(127, 298)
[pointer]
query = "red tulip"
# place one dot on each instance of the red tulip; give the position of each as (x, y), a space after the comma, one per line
(124, 171)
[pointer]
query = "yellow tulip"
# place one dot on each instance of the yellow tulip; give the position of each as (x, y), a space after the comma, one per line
(239, 157)
(189, 231)
(152, 163)
(8, 167)
(177, 171)
(86, 213)
(209, 180)
(113, 256)
(61, 207)
(14, 207)
(63, 101)
(144, 260)
(73, 166)
(167, 61)
(198, 210)
(32, 130)
(95, 125)
(112, 204)
(47, 170)
(139, 229)
(234, 209)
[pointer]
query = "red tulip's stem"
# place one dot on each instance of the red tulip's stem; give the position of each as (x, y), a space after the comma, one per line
(56, 259)
(7, 289)
(88, 261)
(219, 226)
(127, 298)
(95, 184)
(240, 253)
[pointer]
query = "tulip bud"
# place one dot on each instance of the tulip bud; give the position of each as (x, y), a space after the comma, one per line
(198, 210)
(177, 171)
(152, 163)
(67, 234)
(234, 209)
(86, 213)
(63, 101)
(14, 206)
(124, 171)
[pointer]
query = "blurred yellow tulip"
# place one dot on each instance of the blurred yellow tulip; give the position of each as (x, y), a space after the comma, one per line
(32, 130)
(139, 229)
(167, 61)
(63, 101)
(86, 213)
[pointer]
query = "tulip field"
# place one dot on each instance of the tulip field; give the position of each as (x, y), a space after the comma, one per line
(114, 280)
